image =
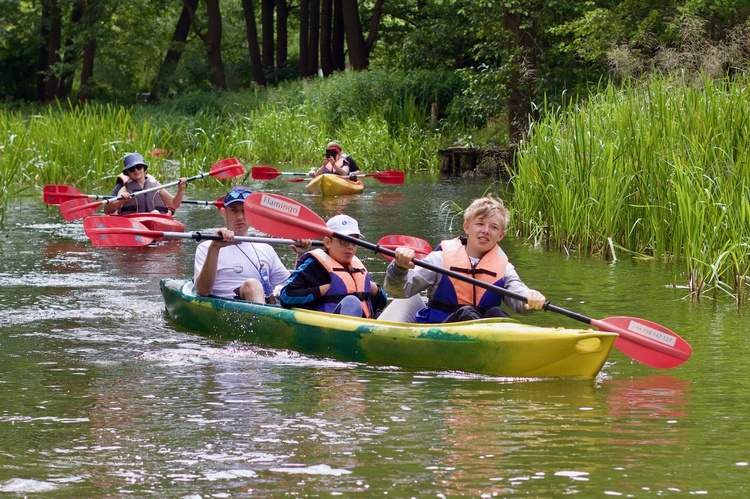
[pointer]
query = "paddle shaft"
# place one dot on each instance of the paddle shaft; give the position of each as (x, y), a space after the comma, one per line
(214, 172)
(631, 336)
(102, 196)
(196, 236)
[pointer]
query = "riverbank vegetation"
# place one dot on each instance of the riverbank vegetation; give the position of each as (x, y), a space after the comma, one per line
(382, 119)
(657, 170)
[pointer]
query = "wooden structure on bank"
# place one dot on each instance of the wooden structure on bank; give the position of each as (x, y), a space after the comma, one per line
(469, 162)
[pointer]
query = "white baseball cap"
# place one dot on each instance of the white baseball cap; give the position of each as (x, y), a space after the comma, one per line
(344, 224)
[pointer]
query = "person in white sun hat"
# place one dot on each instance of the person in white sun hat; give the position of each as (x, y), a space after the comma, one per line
(333, 279)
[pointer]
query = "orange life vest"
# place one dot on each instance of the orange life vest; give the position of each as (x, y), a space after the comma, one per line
(352, 280)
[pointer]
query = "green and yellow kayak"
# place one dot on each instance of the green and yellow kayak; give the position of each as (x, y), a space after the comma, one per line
(334, 185)
(496, 347)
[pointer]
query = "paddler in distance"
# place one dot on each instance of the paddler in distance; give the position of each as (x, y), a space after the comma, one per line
(133, 179)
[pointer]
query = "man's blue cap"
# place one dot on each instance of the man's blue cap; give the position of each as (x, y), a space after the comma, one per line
(236, 195)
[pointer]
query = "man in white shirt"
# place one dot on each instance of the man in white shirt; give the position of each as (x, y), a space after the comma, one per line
(234, 269)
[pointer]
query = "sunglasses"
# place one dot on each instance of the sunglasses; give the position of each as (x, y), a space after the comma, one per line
(237, 195)
(134, 168)
(343, 243)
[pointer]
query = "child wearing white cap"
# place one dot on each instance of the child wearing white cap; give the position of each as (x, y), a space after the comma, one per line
(333, 279)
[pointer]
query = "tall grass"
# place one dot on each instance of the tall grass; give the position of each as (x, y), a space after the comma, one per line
(381, 118)
(661, 169)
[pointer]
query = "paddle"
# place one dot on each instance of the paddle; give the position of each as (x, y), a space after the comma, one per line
(109, 231)
(79, 208)
(270, 173)
(421, 247)
(642, 340)
(59, 193)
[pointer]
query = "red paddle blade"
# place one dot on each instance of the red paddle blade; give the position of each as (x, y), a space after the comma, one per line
(283, 217)
(645, 341)
(297, 179)
(421, 247)
(76, 209)
(264, 173)
(111, 231)
(227, 168)
(388, 177)
(57, 194)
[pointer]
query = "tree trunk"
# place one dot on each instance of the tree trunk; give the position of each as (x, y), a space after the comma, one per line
(377, 13)
(172, 59)
(304, 18)
(326, 27)
(338, 55)
(89, 49)
(314, 37)
(282, 39)
(266, 22)
(70, 54)
(519, 102)
(359, 56)
(212, 42)
(252, 42)
(51, 32)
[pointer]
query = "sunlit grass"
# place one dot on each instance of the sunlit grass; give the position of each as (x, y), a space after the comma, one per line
(84, 146)
(661, 170)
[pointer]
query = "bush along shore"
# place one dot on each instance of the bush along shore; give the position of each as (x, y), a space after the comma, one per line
(659, 169)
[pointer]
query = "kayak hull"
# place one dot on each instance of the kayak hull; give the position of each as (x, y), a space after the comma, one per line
(156, 221)
(334, 185)
(496, 347)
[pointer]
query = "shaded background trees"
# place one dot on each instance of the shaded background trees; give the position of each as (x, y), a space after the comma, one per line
(511, 55)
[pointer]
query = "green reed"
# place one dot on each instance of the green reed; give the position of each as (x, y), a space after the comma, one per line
(658, 169)
(84, 146)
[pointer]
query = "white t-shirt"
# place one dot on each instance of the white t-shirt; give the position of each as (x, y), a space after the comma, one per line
(240, 262)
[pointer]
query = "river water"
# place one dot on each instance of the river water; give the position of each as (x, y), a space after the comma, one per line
(101, 396)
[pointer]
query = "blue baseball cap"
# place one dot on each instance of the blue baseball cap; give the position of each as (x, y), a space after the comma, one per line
(236, 195)
(133, 159)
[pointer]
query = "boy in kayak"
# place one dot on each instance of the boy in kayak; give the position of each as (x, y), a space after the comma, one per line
(479, 257)
(335, 162)
(333, 279)
(133, 179)
(234, 269)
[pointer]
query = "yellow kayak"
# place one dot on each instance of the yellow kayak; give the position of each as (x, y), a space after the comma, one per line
(329, 184)
(496, 347)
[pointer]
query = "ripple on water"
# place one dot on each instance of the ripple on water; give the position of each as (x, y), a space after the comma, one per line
(28, 486)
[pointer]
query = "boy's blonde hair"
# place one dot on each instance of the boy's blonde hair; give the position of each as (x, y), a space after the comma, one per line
(487, 207)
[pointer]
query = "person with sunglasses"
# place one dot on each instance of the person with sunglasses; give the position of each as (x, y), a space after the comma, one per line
(234, 269)
(333, 279)
(133, 179)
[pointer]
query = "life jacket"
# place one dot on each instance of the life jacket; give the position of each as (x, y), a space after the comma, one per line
(353, 280)
(146, 203)
(451, 293)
